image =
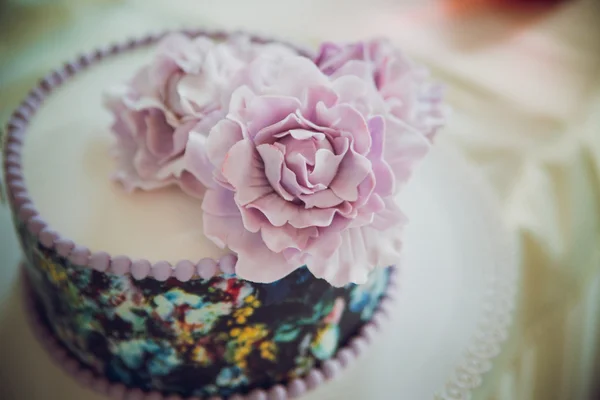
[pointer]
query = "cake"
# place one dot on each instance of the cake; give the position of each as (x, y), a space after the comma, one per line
(248, 237)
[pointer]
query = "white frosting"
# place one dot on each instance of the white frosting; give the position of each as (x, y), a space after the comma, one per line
(67, 170)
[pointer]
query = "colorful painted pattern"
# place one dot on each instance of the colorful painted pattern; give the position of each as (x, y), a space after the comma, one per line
(197, 338)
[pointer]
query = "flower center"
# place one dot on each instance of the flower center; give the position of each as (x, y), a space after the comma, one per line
(304, 166)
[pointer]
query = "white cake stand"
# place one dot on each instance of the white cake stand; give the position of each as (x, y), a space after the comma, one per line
(458, 287)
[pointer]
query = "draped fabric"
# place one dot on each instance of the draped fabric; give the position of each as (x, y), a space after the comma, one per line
(525, 88)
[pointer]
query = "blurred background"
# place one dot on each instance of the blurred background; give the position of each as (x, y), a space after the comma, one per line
(524, 80)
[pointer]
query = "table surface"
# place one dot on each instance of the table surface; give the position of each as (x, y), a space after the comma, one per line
(526, 92)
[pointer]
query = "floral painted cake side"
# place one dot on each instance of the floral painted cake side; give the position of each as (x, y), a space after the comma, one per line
(202, 337)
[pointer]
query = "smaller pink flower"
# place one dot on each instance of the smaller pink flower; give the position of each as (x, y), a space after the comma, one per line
(177, 97)
(410, 96)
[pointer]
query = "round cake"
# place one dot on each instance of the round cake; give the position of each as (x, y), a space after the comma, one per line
(247, 238)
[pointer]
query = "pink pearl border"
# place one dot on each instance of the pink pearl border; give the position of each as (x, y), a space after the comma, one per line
(24, 209)
(329, 370)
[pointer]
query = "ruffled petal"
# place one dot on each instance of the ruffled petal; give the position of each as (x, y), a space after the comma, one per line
(159, 134)
(296, 75)
(196, 95)
(323, 199)
(131, 181)
(391, 215)
(196, 160)
(258, 264)
(268, 134)
(326, 167)
(349, 122)
(280, 212)
(244, 170)
(376, 126)
(269, 110)
(385, 185)
(359, 93)
(298, 165)
(273, 160)
(405, 147)
(332, 56)
(278, 239)
(353, 169)
(191, 185)
(362, 69)
(221, 138)
(253, 219)
(255, 261)
(220, 203)
(361, 250)
(315, 95)
(289, 182)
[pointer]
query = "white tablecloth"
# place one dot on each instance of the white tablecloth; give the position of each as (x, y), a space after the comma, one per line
(526, 93)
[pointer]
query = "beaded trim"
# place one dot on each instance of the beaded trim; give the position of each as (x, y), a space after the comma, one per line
(329, 369)
(25, 211)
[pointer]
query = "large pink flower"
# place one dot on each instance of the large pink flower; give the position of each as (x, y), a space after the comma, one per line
(302, 174)
(410, 96)
(182, 92)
